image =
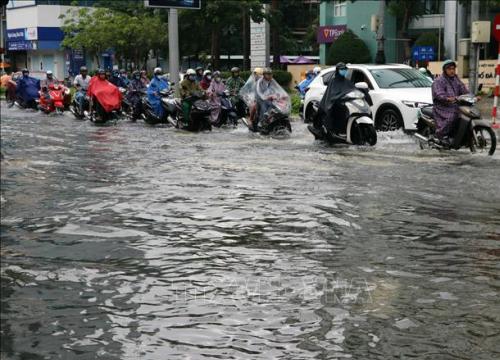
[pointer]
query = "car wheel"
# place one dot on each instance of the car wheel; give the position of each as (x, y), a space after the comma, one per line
(389, 120)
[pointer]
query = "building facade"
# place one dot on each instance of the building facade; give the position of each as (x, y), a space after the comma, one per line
(34, 35)
(449, 20)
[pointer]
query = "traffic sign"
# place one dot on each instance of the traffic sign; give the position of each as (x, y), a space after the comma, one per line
(423, 53)
(496, 27)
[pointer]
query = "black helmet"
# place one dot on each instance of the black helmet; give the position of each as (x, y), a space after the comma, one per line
(198, 68)
(83, 68)
(136, 73)
(25, 71)
(340, 66)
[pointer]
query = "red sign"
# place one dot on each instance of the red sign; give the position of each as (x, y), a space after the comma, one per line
(496, 27)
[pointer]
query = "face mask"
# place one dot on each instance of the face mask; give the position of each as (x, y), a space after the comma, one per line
(209, 77)
(137, 77)
(217, 79)
(191, 77)
(343, 72)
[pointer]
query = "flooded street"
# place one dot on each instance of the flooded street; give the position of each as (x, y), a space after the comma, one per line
(138, 242)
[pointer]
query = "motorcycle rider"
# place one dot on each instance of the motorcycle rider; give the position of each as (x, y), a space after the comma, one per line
(117, 80)
(124, 77)
(265, 94)
(144, 78)
(157, 84)
(27, 88)
(135, 90)
(247, 93)
(302, 86)
(214, 92)
(108, 74)
(81, 84)
(188, 88)
(45, 83)
(199, 74)
(234, 85)
(207, 79)
(445, 90)
(104, 95)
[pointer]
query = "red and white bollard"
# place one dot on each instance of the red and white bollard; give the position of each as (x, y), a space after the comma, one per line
(496, 93)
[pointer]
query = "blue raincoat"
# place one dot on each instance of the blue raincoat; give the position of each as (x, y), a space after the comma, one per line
(27, 88)
(157, 84)
(305, 83)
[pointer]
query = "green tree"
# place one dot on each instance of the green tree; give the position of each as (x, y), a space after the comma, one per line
(98, 29)
(348, 48)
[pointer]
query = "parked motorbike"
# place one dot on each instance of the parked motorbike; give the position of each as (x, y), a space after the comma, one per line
(199, 116)
(54, 99)
(470, 130)
(359, 127)
(228, 113)
(169, 106)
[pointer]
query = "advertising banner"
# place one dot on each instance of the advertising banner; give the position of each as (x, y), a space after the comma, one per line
(328, 34)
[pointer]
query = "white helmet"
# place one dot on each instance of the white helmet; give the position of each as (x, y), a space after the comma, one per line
(157, 70)
(190, 72)
(316, 70)
(206, 72)
(49, 72)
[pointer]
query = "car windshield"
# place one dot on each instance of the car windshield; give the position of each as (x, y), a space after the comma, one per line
(400, 78)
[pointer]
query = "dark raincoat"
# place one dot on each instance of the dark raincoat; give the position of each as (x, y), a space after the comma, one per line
(27, 88)
(331, 111)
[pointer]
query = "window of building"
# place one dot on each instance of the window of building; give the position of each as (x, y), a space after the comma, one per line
(339, 8)
(434, 6)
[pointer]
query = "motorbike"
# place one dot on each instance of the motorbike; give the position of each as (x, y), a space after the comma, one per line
(75, 108)
(199, 116)
(359, 127)
(169, 106)
(275, 121)
(470, 129)
(30, 104)
(228, 113)
(54, 99)
(98, 115)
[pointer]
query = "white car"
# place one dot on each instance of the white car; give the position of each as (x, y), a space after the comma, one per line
(397, 91)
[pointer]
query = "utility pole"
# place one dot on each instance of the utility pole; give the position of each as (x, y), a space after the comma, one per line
(380, 57)
(474, 48)
(173, 45)
(2, 56)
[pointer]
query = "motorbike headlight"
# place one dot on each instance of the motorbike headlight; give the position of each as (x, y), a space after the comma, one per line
(66, 91)
(415, 104)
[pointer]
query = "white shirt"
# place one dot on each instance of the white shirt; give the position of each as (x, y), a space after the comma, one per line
(79, 80)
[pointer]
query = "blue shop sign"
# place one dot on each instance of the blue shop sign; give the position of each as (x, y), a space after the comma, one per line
(21, 45)
(15, 35)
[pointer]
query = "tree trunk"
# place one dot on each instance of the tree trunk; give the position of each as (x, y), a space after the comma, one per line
(245, 36)
(275, 35)
(215, 51)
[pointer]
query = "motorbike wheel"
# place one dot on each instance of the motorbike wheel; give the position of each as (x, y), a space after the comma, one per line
(369, 134)
(424, 145)
(281, 131)
(483, 139)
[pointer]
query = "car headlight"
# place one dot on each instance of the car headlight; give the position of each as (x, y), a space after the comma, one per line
(415, 104)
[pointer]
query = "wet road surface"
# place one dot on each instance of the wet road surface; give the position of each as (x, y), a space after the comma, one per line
(138, 242)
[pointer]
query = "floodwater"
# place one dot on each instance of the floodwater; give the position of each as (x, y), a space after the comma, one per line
(138, 242)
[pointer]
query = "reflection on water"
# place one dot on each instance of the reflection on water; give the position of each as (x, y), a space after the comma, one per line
(134, 242)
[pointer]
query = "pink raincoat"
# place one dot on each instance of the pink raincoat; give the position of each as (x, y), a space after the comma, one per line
(213, 92)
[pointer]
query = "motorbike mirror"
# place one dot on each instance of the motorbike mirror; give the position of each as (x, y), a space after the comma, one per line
(479, 87)
(361, 85)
